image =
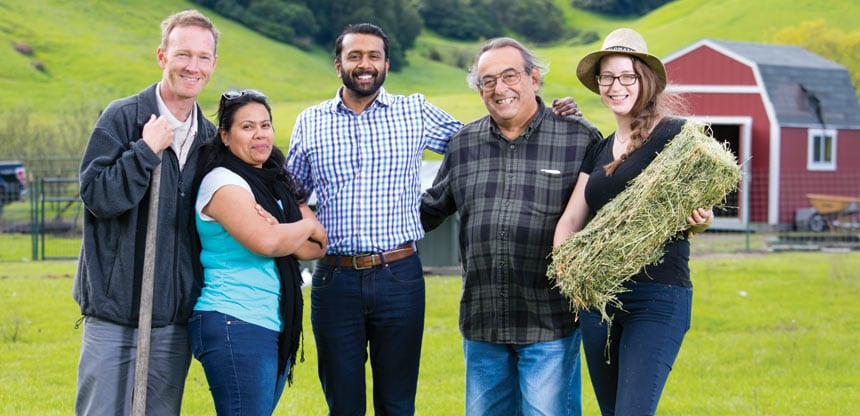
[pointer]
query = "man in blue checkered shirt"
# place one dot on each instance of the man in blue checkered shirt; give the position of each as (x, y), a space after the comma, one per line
(509, 175)
(361, 153)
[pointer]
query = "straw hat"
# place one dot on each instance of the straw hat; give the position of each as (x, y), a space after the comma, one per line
(620, 41)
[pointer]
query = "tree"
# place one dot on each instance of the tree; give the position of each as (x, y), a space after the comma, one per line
(536, 20)
(619, 7)
(270, 18)
(288, 21)
(833, 44)
(398, 18)
(459, 19)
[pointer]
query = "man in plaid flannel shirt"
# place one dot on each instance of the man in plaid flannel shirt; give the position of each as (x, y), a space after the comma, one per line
(509, 176)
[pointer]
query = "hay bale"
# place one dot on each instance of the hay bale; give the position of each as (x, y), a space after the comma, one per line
(693, 170)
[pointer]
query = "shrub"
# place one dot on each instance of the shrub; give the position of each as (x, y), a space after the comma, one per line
(23, 49)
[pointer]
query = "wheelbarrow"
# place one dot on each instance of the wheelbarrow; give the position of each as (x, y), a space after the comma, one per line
(833, 211)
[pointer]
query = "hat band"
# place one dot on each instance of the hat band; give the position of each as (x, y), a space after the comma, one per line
(619, 48)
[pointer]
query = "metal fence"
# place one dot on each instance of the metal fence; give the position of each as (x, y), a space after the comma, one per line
(47, 223)
(819, 211)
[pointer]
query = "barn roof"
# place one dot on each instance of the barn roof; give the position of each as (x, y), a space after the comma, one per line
(798, 82)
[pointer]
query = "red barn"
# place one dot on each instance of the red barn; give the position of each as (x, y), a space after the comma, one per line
(791, 116)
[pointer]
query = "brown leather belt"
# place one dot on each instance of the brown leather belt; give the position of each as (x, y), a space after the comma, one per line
(366, 261)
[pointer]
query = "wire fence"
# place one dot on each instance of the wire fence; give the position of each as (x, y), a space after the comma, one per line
(815, 213)
(47, 222)
(819, 211)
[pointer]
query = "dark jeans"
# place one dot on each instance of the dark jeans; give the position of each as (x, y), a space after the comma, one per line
(383, 308)
(240, 360)
(644, 340)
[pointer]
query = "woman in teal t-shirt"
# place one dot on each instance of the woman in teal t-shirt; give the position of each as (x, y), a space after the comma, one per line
(252, 225)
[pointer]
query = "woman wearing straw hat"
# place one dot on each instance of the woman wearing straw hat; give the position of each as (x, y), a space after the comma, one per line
(629, 370)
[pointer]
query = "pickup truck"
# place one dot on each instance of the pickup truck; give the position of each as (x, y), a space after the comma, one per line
(13, 179)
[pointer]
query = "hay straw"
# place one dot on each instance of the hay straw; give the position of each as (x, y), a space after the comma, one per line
(693, 170)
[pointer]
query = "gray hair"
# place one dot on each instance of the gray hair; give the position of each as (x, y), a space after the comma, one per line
(531, 61)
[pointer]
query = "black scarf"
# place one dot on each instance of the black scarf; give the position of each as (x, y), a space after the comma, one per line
(269, 185)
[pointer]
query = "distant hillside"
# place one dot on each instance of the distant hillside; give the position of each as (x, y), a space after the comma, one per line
(92, 51)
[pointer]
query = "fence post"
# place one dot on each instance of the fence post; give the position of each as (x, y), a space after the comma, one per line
(746, 179)
(35, 191)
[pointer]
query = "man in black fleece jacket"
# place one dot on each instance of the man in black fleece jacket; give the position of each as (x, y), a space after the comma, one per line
(115, 176)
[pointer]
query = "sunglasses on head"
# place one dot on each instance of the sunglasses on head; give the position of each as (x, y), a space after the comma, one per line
(234, 94)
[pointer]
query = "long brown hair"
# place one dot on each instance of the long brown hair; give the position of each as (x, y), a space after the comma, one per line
(650, 106)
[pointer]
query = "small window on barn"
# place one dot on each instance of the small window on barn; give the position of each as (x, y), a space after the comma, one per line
(822, 150)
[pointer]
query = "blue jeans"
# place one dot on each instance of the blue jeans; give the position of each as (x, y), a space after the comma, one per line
(543, 378)
(107, 365)
(644, 341)
(383, 308)
(240, 361)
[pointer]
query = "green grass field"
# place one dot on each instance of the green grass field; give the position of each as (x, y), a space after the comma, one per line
(772, 334)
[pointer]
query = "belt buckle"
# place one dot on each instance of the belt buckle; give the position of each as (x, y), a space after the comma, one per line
(357, 267)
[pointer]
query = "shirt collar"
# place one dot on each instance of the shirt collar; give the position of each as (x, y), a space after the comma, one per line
(174, 122)
(383, 99)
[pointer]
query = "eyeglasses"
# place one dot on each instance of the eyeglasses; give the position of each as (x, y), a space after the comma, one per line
(623, 79)
(509, 77)
(234, 94)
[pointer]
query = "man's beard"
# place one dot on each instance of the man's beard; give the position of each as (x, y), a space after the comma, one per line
(350, 83)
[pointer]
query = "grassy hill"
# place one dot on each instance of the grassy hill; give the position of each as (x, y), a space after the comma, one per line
(93, 51)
